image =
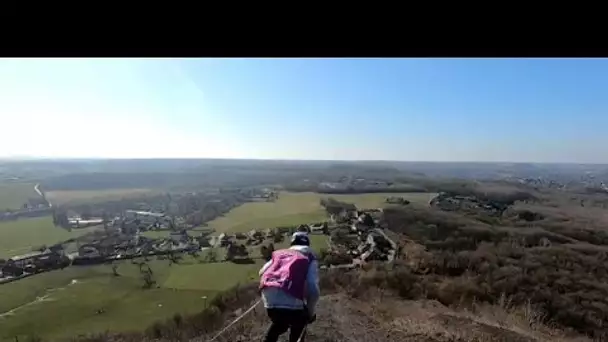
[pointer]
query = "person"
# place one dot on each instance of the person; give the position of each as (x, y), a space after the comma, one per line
(289, 286)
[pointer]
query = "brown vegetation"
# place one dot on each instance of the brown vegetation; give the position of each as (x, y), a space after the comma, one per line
(556, 262)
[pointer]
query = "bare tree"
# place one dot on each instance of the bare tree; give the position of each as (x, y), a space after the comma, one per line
(147, 276)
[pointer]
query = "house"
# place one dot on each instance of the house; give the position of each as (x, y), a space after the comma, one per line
(343, 215)
(27, 259)
(89, 251)
(34, 262)
(359, 227)
(255, 235)
(147, 217)
(224, 240)
(303, 228)
(318, 228)
(129, 226)
(269, 233)
(77, 222)
(179, 237)
(377, 246)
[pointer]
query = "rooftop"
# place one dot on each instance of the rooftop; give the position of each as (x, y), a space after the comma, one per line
(145, 213)
(28, 256)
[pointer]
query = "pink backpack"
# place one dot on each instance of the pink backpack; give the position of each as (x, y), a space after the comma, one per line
(287, 271)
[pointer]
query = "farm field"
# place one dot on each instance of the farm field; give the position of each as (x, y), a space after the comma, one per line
(14, 195)
(318, 242)
(91, 196)
(65, 303)
(298, 208)
(20, 236)
(213, 276)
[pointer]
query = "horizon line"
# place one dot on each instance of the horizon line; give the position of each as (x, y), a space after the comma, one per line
(41, 158)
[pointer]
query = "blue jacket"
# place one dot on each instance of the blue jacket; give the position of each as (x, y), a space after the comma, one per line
(274, 298)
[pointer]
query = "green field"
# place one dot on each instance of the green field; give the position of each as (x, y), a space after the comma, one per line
(155, 234)
(94, 196)
(318, 242)
(72, 297)
(14, 195)
(213, 276)
(298, 208)
(54, 306)
(20, 236)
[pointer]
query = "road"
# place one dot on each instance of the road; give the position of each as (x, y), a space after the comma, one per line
(37, 189)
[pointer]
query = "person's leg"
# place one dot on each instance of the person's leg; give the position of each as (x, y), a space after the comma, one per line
(278, 326)
(297, 322)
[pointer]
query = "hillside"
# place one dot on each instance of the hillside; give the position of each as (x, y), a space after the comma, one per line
(380, 303)
(354, 310)
(380, 316)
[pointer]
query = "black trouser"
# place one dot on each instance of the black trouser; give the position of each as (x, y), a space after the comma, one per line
(283, 319)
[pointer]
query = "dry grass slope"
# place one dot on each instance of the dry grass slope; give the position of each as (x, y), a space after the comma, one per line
(380, 316)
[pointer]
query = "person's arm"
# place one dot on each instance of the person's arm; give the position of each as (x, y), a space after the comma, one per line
(312, 282)
(265, 267)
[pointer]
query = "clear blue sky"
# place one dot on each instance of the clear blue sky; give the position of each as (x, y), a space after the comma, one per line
(545, 110)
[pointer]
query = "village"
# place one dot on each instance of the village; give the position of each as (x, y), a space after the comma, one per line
(468, 204)
(353, 237)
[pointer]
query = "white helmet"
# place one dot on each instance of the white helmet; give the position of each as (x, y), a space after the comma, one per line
(300, 239)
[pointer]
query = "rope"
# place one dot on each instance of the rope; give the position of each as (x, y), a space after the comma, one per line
(300, 339)
(235, 321)
(302, 334)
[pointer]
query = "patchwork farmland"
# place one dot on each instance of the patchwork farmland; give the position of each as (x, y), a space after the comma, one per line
(115, 300)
